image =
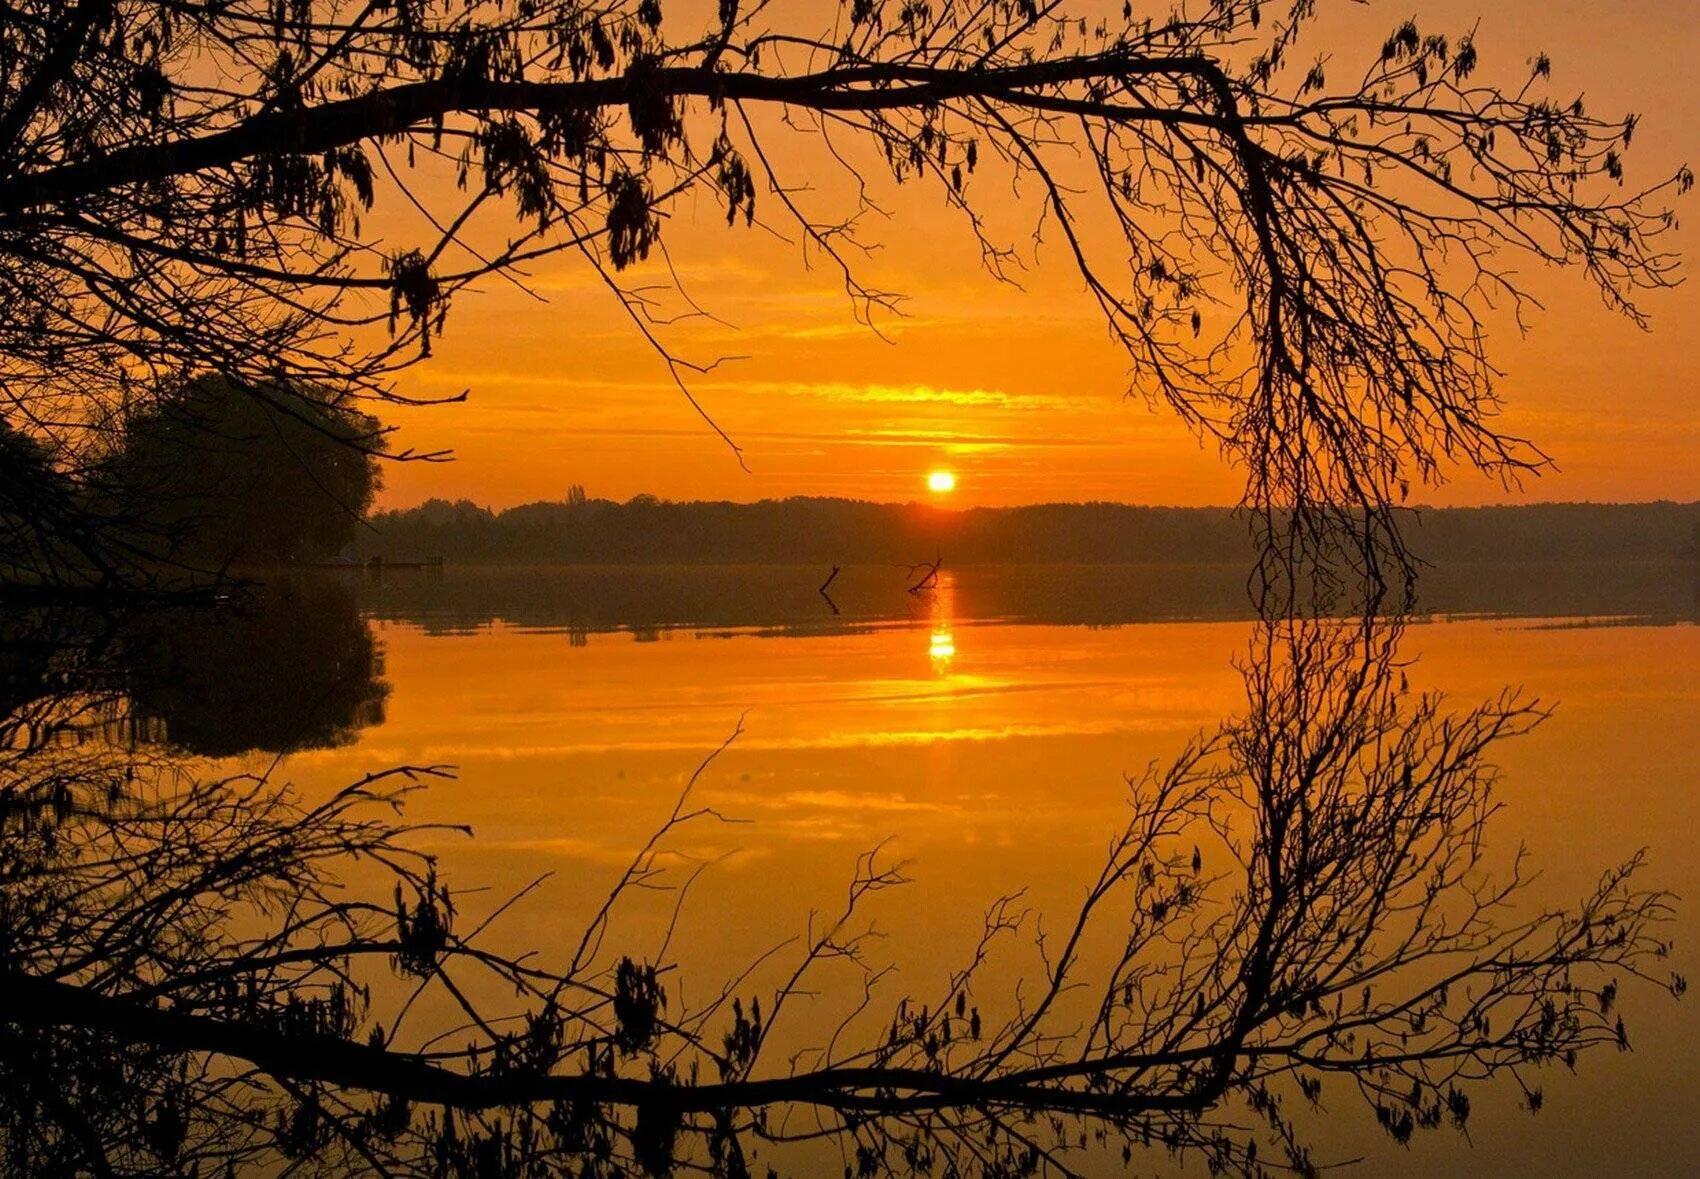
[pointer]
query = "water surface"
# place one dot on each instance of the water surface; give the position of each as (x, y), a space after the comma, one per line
(983, 731)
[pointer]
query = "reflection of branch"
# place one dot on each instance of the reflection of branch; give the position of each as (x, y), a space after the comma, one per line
(830, 578)
(1304, 891)
(642, 868)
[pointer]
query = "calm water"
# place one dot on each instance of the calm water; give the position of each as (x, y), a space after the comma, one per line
(983, 733)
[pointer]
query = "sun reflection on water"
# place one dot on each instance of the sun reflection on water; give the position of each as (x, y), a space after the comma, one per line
(941, 647)
(941, 614)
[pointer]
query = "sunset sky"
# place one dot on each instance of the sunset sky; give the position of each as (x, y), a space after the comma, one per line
(1019, 392)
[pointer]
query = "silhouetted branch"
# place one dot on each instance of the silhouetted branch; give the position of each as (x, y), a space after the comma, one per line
(1299, 258)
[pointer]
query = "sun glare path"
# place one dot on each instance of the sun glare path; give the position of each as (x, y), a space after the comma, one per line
(941, 482)
(942, 646)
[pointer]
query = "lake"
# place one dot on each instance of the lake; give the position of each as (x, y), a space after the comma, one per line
(1304, 880)
(983, 732)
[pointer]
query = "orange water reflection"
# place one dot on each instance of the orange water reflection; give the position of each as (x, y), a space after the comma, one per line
(998, 762)
(941, 644)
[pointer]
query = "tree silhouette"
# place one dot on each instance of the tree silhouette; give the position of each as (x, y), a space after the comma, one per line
(50, 536)
(1304, 901)
(218, 476)
(1296, 258)
(197, 974)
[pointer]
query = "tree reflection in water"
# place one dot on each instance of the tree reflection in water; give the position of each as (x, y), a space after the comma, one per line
(1306, 900)
(285, 670)
(276, 670)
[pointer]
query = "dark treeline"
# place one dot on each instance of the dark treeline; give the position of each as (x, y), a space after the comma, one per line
(803, 530)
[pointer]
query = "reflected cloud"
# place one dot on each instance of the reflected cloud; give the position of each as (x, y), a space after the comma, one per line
(860, 738)
(925, 395)
(835, 800)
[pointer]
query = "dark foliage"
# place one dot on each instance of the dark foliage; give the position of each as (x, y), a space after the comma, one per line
(1300, 261)
(825, 532)
(214, 475)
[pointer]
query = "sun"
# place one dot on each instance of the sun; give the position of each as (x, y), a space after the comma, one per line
(941, 482)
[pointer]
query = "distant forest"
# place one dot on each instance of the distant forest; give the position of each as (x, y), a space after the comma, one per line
(818, 531)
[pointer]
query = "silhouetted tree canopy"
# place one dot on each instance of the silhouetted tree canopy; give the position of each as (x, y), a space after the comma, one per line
(1305, 904)
(49, 534)
(217, 475)
(28, 487)
(1296, 254)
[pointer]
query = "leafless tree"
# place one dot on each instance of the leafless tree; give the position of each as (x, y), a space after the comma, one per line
(1296, 253)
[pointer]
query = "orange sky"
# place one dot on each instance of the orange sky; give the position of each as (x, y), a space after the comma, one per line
(1019, 392)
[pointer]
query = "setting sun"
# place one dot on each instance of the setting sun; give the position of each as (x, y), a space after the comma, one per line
(1247, 554)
